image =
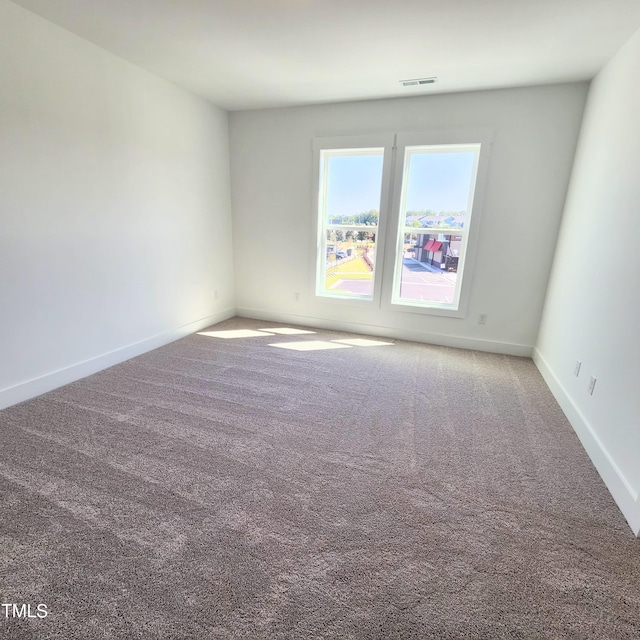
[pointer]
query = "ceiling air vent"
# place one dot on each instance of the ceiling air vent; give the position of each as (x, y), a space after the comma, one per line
(418, 81)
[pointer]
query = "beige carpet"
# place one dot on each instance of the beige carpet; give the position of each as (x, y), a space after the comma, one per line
(225, 488)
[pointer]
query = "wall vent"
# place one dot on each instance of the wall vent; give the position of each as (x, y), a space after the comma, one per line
(418, 81)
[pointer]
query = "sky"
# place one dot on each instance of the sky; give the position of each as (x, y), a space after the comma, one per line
(354, 184)
(437, 181)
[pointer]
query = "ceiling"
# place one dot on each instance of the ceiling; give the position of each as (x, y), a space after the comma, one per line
(249, 54)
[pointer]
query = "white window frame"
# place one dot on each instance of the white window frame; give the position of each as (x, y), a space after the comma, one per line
(388, 243)
(347, 144)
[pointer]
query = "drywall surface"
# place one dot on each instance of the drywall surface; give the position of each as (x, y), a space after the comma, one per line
(114, 205)
(592, 313)
(534, 136)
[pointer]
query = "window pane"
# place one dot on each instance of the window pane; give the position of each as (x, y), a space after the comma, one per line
(429, 267)
(351, 184)
(435, 211)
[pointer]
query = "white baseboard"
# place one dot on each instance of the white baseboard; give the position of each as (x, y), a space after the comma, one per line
(622, 491)
(54, 379)
(390, 332)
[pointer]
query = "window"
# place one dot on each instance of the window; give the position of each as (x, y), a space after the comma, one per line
(351, 189)
(428, 221)
(434, 215)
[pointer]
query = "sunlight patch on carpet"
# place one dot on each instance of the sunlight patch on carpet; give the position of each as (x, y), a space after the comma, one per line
(234, 333)
(287, 331)
(310, 345)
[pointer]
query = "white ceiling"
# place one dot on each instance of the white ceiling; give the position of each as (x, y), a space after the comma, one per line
(246, 54)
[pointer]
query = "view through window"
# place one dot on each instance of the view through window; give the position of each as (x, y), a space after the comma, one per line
(434, 214)
(349, 205)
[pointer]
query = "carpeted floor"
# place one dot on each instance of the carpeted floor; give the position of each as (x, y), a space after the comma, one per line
(226, 488)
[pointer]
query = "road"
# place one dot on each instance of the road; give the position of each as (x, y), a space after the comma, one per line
(417, 283)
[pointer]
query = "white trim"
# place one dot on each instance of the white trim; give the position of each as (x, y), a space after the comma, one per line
(626, 497)
(439, 339)
(447, 140)
(385, 282)
(49, 381)
(357, 144)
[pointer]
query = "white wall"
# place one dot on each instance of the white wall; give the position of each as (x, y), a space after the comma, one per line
(535, 132)
(115, 223)
(592, 311)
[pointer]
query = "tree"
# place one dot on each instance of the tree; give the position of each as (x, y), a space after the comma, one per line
(371, 217)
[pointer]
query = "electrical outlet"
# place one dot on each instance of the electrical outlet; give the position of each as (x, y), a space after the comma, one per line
(592, 384)
(215, 294)
(576, 369)
(482, 318)
(296, 296)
